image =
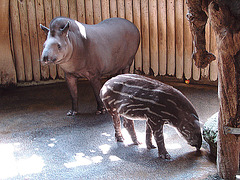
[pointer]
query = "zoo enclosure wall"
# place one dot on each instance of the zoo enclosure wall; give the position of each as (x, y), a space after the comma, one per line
(166, 42)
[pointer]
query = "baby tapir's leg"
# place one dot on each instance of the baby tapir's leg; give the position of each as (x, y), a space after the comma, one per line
(157, 128)
(129, 125)
(117, 127)
(149, 137)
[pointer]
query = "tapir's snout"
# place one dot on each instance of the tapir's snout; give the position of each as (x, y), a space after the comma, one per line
(197, 142)
(47, 60)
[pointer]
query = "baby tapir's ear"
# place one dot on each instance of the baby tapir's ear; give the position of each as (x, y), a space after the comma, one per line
(45, 29)
(65, 29)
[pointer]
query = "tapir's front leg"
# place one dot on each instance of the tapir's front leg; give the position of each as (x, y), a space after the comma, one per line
(72, 86)
(129, 125)
(96, 85)
(157, 128)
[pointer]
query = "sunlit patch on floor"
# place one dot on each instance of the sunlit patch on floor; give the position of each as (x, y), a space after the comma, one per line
(11, 166)
(82, 160)
(173, 146)
(106, 134)
(114, 158)
(105, 148)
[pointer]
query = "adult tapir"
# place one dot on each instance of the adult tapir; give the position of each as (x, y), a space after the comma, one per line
(90, 51)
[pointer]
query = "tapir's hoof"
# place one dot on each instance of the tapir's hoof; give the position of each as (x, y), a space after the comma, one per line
(150, 146)
(119, 138)
(72, 113)
(136, 142)
(164, 156)
(102, 111)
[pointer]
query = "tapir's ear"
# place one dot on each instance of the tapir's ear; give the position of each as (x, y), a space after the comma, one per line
(66, 28)
(45, 29)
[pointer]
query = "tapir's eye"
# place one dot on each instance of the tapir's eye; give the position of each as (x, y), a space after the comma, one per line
(59, 47)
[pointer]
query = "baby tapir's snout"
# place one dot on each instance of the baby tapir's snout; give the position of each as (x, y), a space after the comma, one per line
(135, 97)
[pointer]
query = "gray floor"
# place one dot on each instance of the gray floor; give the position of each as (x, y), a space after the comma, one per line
(38, 140)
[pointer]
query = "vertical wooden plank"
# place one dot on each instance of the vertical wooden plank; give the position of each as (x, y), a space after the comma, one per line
(162, 36)
(179, 38)
(145, 36)
(213, 65)
(129, 10)
(89, 11)
(97, 13)
(7, 69)
(72, 6)
(17, 41)
(105, 9)
(113, 8)
(137, 22)
(171, 37)
(81, 11)
(205, 71)
(196, 72)
(22, 5)
(48, 17)
(33, 40)
(41, 35)
(129, 16)
(187, 41)
(64, 8)
(120, 8)
(56, 13)
(153, 35)
(56, 8)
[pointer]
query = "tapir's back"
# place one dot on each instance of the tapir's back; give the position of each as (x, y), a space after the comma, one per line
(134, 94)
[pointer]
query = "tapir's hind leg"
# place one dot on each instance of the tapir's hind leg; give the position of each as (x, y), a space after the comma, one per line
(129, 125)
(157, 129)
(149, 137)
(117, 127)
(96, 85)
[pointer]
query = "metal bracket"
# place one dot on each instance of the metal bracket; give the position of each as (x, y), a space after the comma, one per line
(231, 130)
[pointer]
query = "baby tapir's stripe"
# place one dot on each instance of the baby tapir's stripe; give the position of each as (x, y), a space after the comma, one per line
(136, 97)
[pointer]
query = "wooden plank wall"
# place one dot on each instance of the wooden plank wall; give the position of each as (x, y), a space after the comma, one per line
(166, 42)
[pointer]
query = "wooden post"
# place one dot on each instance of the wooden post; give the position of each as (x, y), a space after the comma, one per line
(105, 9)
(171, 37)
(137, 22)
(226, 26)
(48, 18)
(179, 38)
(113, 8)
(153, 35)
(7, 69)
(33, 40)
(162, 36)
(129, 16)
(22, 5)
(120, 8)
(187, 42)
(17, 41)
(97, 13)
(145, 36)
(81, 11)
(41, 35)
(89, 11)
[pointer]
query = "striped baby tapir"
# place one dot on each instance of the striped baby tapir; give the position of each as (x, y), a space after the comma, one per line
(135, 97)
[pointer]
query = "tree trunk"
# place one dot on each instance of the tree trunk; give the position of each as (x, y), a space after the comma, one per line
(7, 68)
(224, 19)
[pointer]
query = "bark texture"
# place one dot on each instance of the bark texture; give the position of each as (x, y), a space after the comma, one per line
(225, 19)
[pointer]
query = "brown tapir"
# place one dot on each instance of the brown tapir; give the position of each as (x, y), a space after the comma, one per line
(135, 97)
(90, 51)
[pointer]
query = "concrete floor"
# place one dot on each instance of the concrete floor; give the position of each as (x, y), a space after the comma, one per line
(38, 140)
